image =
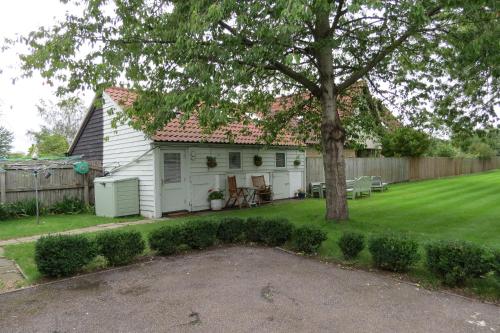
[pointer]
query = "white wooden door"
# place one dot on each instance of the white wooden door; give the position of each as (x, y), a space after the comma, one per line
(281, 185)
(174, 175)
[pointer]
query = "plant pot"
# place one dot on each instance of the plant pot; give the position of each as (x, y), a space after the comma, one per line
(216, 204)
(301, 195)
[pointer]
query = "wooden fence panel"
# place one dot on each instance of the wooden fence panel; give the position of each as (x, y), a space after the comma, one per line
(437, 167)
(54, 184)
(397, 169)
(391, 170)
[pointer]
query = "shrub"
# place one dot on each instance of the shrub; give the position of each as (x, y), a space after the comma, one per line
(231, 230)
(308, 239)
(269, 231)
(496, 263)
(4, 212)
(275, 231)
(24, 208)
(199, 234)
(215, 195)
(68, 206)
(120, 247)
(351, 244)
(455, 262)
(253, 229)
(393, 252)
(63, 255)
(165, 240)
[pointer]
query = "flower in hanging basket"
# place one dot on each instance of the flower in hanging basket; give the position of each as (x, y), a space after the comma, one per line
(257, 160)
(211, 162)
(296, 162)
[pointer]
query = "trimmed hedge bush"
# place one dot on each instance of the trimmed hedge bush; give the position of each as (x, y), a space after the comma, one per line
(120, 247)
(276, 231)
(253, 229)
(231, 230)
(496, 261)
(63, 255)
(393, 252)
(308, 239)
(199, 234)
(351, 244)
(166, 240)
(455, 262)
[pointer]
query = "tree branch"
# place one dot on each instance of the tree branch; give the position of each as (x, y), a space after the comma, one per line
(337, 17)
(382, 54)
(276, 65)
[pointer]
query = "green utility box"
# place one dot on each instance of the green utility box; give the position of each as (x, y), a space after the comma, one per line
(116, 196)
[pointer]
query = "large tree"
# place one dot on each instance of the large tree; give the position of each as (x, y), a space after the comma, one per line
(62, 117)
(47, 144)
(223, 60)
(6, 139)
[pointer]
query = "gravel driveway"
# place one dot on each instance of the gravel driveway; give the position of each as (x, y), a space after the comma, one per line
(240, 289)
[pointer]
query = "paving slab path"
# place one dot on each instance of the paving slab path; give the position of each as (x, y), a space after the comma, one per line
(240, 289)
(11, 276)
(95, 228)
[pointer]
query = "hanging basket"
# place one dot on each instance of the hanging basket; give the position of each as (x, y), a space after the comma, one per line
(211, 162)
(81, 167)
(257, 160)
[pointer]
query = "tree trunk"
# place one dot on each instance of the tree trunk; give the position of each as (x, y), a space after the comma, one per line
(333, 138)
(332, 133)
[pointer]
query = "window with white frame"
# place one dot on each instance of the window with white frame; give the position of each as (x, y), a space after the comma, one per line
(280, 160)
(234, 160)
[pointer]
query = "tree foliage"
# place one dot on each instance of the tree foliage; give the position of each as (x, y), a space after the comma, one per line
(63, 117)
(6, 139)
(224, 61)
(48, 144)
(405, 141)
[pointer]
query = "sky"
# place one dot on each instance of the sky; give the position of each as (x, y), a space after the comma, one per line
(18, 111)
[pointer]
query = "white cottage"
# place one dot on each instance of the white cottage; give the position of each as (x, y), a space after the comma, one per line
(172, 165)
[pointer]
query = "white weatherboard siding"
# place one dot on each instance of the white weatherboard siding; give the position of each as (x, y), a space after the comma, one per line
(287, 180)
(122, 145)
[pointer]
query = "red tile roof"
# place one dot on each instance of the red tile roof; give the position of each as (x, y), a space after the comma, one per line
(191, 131)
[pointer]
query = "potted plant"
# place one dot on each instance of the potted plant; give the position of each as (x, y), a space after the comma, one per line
(216, 198)
(296, 162)
(301, 194)
(211, 162)
(257, 160)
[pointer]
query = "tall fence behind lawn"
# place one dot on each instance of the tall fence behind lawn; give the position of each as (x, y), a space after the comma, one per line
(17, 183)
(400, 169)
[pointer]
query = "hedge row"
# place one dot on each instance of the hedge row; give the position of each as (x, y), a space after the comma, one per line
(64, 255)
(453, 262)
(201, 234)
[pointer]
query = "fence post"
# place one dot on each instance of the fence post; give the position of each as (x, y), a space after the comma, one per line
(3, 190)
(86, 194)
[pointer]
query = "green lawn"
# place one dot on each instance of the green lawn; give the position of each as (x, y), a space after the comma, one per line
(27, 226)
(465, 207)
